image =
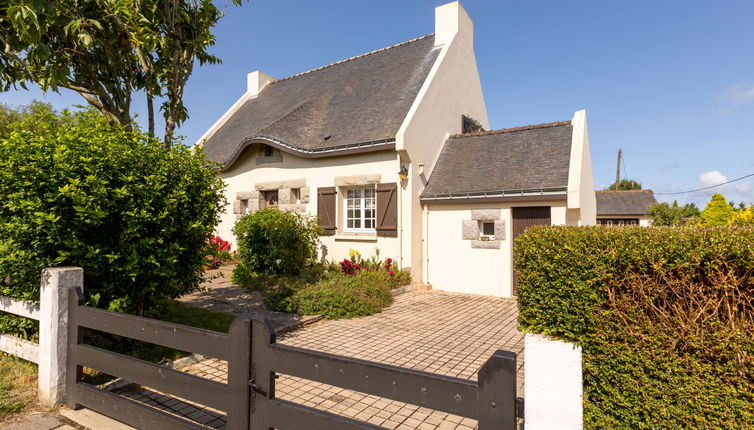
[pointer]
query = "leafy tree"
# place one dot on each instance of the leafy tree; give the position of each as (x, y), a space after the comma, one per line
(107, 49)
(743, 216)
(717, 212)
(664, 214)
(625, 184)
(10, 115)
(79, 191)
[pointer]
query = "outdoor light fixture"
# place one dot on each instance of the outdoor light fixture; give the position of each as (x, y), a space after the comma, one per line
(403, 173)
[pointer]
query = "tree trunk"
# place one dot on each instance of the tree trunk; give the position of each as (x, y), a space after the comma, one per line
(150, 110)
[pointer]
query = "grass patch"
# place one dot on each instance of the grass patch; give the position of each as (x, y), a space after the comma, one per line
(18, 385)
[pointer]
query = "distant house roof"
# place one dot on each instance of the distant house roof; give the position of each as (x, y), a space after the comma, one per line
(521, 161)
(634, 202)
(358, 103)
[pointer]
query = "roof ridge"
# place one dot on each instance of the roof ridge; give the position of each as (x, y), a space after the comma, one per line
(513, 129)
(354, 58)
(624, 191)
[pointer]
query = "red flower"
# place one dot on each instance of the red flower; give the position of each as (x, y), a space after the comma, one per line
(392, 273)
(387, 266)
(389, 260)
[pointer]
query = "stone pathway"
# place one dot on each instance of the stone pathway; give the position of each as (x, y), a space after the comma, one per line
(219, 294)
(447, 333)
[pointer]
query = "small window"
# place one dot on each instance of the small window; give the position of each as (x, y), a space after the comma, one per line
(360, 210)
(295, 195)
(244, 206)
(271, 199)
(268, 151)
(609, 223)
(487, 230)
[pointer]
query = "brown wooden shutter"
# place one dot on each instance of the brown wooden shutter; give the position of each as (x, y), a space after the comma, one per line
(387, 210)
(326, 209)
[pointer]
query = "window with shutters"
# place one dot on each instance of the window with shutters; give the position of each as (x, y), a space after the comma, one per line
(359, 210)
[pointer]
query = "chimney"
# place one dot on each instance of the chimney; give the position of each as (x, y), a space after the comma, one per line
(451, 19)
(256, 81)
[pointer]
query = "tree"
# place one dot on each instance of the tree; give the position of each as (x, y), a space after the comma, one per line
(10, 116)
(107, 49)
(625, 184)
(717, 212)
(664, 214)
(743, 216)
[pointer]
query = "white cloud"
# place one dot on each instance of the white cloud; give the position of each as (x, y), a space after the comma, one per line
(713, 177)
(737, 95)
(738, 191)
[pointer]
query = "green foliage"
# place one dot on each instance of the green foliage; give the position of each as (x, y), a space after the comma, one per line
(665, 317)
(742, 217)
(9, 115)
(625, 184)
(664, 214)
(717, 212)
(78, 191)
(276, 242)
(343, 296)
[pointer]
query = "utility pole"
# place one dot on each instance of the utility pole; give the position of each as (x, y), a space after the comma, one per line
(617, 171)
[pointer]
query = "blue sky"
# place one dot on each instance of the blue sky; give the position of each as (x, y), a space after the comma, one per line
(670, 82)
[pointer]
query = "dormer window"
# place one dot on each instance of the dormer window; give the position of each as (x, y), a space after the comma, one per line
(268, 154)
(470, 125)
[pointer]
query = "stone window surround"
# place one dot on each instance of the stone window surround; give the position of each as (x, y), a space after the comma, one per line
(252, 201)
(471, 228)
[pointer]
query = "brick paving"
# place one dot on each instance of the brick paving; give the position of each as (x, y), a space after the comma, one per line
(447, 333)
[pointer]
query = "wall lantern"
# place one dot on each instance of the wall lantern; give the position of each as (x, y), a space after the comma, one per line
(403, 173)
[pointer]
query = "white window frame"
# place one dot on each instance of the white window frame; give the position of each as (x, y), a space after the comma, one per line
(483, 236)
(362, 207)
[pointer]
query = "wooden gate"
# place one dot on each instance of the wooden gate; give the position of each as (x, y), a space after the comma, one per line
(524, 217)
(254, 360)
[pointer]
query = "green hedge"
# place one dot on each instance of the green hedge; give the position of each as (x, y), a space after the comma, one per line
(665, 317)
(77, 191)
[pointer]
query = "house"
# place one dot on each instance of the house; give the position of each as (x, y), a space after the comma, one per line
(630, 207)
(373, 145)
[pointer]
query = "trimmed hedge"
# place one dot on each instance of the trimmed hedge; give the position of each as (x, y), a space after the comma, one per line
(77, 191)
(665, 317)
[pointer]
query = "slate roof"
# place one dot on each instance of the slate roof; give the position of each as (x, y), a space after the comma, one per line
(359, 101)
(531, 159)
(635, 202)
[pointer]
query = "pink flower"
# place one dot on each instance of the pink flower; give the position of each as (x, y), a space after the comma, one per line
(392, 273)
(387, 266)
(389, 260)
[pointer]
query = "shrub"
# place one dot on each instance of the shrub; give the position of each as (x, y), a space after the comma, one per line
(276, 242)
(665, 317)
(342, 296)
(78, 191)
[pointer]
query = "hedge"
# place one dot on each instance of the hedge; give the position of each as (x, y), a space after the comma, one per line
(665, 317)
(78, 191)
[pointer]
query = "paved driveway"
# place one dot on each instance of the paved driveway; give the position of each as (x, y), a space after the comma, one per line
(446, 333)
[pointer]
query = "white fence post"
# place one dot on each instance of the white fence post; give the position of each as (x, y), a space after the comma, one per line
(57, 284)
(554, 384)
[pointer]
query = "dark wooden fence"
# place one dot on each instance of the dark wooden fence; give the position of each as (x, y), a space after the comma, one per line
(254, 360)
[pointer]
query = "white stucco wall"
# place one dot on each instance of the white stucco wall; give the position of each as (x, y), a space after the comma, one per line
(318, 172)
(582, 201)
(452, 263)
(452, 89)
(553, 381)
